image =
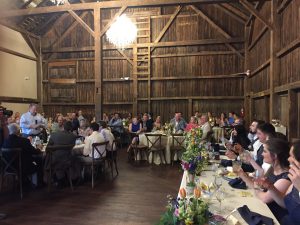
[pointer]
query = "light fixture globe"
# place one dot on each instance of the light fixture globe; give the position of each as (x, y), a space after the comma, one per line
(122, 32)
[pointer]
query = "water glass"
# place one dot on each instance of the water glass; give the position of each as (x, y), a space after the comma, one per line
(236, 166)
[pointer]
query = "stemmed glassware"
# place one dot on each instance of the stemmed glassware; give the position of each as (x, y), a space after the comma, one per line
(220, 196)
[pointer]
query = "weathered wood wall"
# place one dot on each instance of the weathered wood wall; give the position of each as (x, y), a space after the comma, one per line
(273, 58)
(182, 78)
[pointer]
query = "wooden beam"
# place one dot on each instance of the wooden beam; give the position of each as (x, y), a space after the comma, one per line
(103, 31)
(218, 28)
(135, 82)
(283, 5)
(286, 87)
(257, 14)
(159, 44)
(98, 64)
(30, 44)
(26, 4)
(9, 51)
(228, 12)
(125, 56)
(18, 99)
(168, 24)
(62, 81)
(260, 68)
(287, 49)
(202, 53)
(258, 37)
(103, 5)
(235, 11)
(261, 94)
(194, 97)
(58, 21)
(292, 126)
(82, 23)
(257, 6)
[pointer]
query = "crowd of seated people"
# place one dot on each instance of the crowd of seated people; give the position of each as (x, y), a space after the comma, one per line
(261, 150)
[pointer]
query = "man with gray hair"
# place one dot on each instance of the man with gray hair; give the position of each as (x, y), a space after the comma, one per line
(31, 157)
(205, 127)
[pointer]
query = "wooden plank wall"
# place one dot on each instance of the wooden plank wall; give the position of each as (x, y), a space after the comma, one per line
(179, 81)
(274, 88)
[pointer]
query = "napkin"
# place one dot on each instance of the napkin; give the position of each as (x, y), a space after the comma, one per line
(237, 183)
(226, 162)
(253, 218)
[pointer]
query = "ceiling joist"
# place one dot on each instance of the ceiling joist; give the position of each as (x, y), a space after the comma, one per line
(103, 5)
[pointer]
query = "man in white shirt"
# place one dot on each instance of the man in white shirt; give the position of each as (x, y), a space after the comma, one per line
(32, 122)
(206, 128)
(95, 137)
(108, 136)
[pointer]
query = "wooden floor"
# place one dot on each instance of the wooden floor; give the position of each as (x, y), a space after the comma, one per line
(136, 196)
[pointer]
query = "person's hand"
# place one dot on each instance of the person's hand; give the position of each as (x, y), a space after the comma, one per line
(263, 183)
(230, 154)
(238, 148)
(294, 174)
(242, 174)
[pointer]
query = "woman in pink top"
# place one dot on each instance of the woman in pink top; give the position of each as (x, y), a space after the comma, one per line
(192, 124)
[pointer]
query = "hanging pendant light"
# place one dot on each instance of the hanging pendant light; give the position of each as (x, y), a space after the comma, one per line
(122, 32)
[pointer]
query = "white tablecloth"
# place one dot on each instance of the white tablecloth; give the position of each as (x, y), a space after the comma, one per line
(233, 199)
(166, 141)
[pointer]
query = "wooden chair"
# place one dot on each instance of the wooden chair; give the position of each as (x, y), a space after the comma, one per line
(63, 165)
(111, 158)
(177, 145)
(155, 147)
(93, 162)
(138, 148)
(8, 167)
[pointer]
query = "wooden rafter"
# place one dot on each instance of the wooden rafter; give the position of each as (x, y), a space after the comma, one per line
(168, 24)
(257, 6)
(125, 56)
(230, 13)
(82, 23)
(113, 20)
(103, 5)
(257, 14)
(235, 10)
(283, 5)
(218, 28)
(26, 4)
(31, 44)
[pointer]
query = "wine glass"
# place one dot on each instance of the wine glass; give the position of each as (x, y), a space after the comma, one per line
(236, 166)
(258, 174)
(218, 182)
(220, 196)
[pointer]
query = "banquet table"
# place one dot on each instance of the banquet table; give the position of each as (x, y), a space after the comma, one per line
(77, 149)
(233, 198)
(166, 141)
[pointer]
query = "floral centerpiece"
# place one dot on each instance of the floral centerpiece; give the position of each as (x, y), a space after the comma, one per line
(186, 211)
(194, 159)
(168, 128)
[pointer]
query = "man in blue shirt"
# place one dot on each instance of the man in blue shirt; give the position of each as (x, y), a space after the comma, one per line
(231, 118)
(32, 122)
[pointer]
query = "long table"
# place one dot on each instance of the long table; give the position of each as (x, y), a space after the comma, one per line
(233, 199)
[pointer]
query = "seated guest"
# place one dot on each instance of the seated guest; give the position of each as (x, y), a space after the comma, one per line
(105, 118)
(197, 115)
(31, 122)
(31, 157)
(192, 124)
(75, 123)
(211, 119)
(239, 136)
(80, 116)
(178, 123)
(252, 136)
(58, 125)
(276, 153)
(95, 137)
(135, 126)
(157, 124)
(107, 134)
(238, 120)
(223, 122)
(205, 127)
(116, 124)
(147, 124)
(61, 157)
(291, 199)
(83, 130)
(231, 118)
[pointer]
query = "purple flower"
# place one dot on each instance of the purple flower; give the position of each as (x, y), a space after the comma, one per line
(176, 212)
